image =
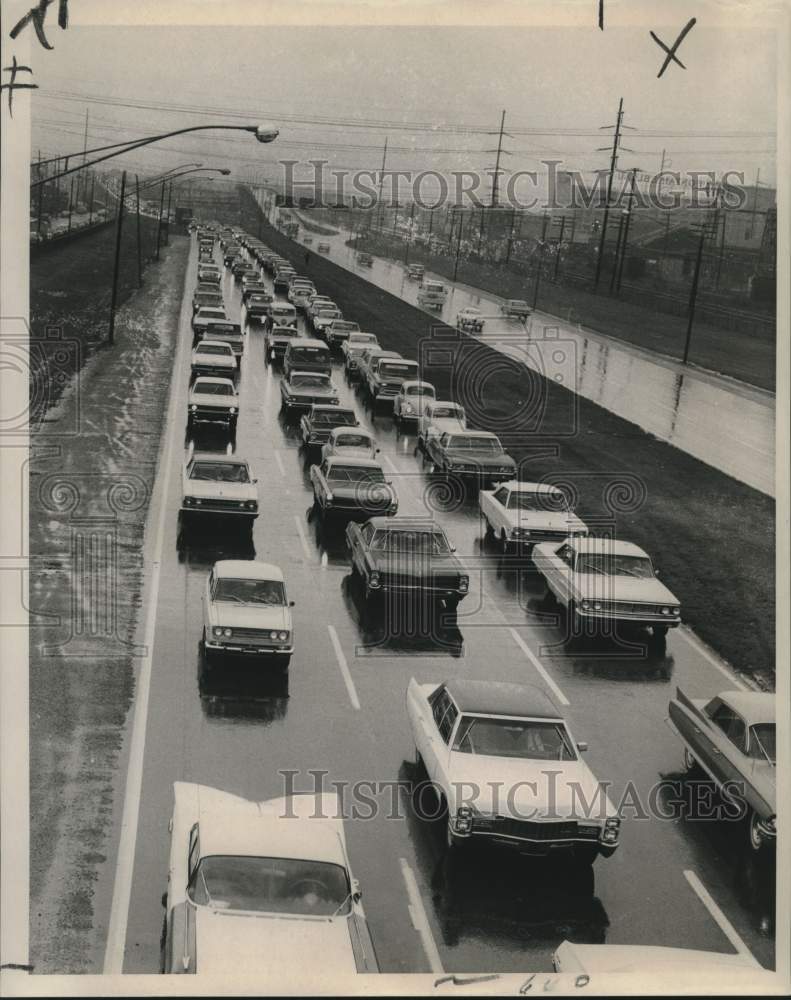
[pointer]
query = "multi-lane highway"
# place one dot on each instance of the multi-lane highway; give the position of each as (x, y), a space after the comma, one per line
(342, 712)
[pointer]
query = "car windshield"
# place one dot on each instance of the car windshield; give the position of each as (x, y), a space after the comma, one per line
(611, 564)
(283, 311)
(524, 738)
(520, 500)
(220, 472)
(272, 885)
(460, 442)
(433, 542)
(329, 313)
(335, 417)
(363, 338)
(213, 314)
(354, 474)
(517, 303)
(399, 368)
(344, 324)
(260, 298)
(284, 331)
(213, 388)
(249, 591)
(223, 349)
(447, 411)
(420, 390)
(352, 441)
(762, 741)
(310, 381)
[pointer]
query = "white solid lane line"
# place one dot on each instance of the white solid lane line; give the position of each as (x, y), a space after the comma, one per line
(340, 656)
(719, 917)
(539, 667)
(122, 888)
(417, 913)
(302, 538)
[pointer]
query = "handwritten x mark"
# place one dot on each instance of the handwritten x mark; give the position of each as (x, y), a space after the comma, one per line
(671, 52)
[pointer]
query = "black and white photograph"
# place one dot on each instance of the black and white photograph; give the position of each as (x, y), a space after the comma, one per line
(394, 448)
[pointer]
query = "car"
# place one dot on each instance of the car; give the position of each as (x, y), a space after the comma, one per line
(338, 330)
(307, 240)
(353, 487)
(432, 295)
(368, 356)
(240, 267)
(300, 295)
(322, 318)
(212, 400)
(257, 306)
(440, 416)
(205, 315)
(384, 377)
(732, 738)
(365, 260)
(415, 272)
(300, 390)
(203, 299)
(352, 348)
(351, 442)
(320, 419)
(252, 283)
(469, 455)
(604, 581)
(411, 401)
(406, 556)
(213, 357)
(307, 355)
(276, 341)
(323, 248)
(585, 960)
(245, 610)
(515, 309)
(263, 887)
(232, 256)
(218, 484)
(521, 514)
(508, 770)
(470, 320)
(209, 273)
(281, 314)
(283, 278)
(316, 301)
(226, 331)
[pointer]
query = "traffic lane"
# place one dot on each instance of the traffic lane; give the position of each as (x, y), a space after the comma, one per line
(365, 647)
(237, 737)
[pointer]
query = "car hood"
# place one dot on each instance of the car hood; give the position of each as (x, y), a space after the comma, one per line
(309, 390)
(377, 493)
(356, 452)
(624, 588)
(232, 615)
(227, 943)
(562, 789)
(229, 491)
(407, 564)
(216, 360)
(208, 399)
(470, 456)
(545, 520)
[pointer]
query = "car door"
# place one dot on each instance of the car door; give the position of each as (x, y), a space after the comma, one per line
(728, 743)
(433, 746)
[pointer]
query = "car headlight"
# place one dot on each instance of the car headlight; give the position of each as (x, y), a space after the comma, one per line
(676, 611)
(273, 635)
(226, 632)
(409, 408)
(597, 606)
(217, 630)
(585, 605)
(232, 409)
(187, 501)
(464, 584)
(666, 611)
(463, 820)
(612, 826)
(375, 580)
(194, 408)
(197, 501)
(283, 636)
(252, 504)
(521, 532)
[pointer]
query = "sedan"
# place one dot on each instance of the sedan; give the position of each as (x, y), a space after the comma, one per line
(351, 442)
(354, 487)
(218, 485)
(213, 357)
(263, 887)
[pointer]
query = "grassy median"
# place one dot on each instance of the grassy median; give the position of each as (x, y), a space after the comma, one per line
(711, 536)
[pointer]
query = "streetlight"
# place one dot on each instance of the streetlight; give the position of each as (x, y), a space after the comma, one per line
(262, 133)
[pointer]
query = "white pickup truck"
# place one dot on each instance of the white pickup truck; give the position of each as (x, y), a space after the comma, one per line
(521, 514)
(432, 295)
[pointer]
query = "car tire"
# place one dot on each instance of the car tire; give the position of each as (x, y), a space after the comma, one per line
(757, 840)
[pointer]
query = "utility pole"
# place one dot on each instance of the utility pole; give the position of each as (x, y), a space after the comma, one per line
(541, 259)
(458, 244)
(90, 204)
(496, 177)
(510, 236)
(755, 201)
(693, 294)
(159, 223)
(139, 250)
(560, 244)
(167, 217)
(71, 197)
(116, 265)
(40, 197)
(381, 183)
(409, 234)
(613, 160)
(626, 231)
(84, 154)
(722, 250)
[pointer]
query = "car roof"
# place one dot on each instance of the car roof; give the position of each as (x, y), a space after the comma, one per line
(406, 524)
(607, 546)
(483, 435)
(217, 456)
(214, 379)
(362, 463)
(329, 408)
(416, 381)
(753, 706)
(216, 343)
(248, 569)
(498, 698)
(517, 487)
(309, 341)
(356, 431)
(445, 402)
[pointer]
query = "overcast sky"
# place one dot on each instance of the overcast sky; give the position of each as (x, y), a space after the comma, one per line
(718, 114)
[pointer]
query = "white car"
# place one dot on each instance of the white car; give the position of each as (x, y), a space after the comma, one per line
(352, 348)
(261, 887)
(412, 400)
(440, 416)
(603, 581)
(245, 610)
(213, 357)
(214, 483)
(323, 248)
(316, 302)
(470, 319)
(350, 442)
(508, 770)
(322, 318)
(521, 514)
(642, 959)
(212, 400)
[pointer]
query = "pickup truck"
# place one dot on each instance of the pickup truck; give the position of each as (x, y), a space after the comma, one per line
(521, 514)
(474, 454)
(385, 376)
(283, 279)
(515, 309)
(354, 487)
(368, 356)
(338, 331)
(257, 306)
(432, 295)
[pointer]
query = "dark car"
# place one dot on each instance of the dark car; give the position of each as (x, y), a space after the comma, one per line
(239, 267)
(353, 487)
(207, 300)
(300, 390)
(320, 420)
(306, 355)
(470, 454)
(406, 555)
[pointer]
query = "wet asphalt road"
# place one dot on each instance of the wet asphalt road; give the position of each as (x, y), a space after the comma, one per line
(238, 729)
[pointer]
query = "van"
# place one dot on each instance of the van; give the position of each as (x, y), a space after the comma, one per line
(281, 314)
(432, 295)
(307, 356)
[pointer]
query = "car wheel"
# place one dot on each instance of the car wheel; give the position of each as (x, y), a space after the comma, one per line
(757, 839)
(690, 764)
(489, 530)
